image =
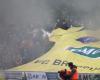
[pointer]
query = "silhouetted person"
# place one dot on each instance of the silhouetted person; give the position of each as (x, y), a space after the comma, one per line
(64, 74)
(71, 74)
(63, 23)
(73, 71)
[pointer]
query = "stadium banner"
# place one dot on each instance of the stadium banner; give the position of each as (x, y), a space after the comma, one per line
(72, 45)
(13, 75)
(46, 76)
(88, 76)
(36, 76)
(82, 76)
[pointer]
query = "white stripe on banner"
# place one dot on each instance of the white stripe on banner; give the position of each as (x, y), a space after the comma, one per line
(36, 76)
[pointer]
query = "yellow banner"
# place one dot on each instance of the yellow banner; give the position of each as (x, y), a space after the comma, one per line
(73, 45)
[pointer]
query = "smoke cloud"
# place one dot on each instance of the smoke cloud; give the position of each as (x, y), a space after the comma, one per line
(91, 17)
(91, 9)
(22, 24)
(85, 12)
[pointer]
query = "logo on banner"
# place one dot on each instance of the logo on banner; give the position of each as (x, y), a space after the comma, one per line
(36, 76)
(88, 51)
(87, 39)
